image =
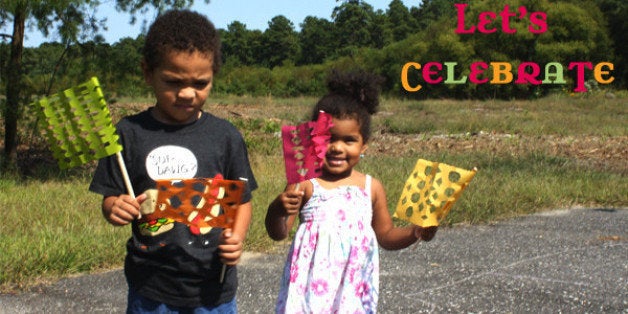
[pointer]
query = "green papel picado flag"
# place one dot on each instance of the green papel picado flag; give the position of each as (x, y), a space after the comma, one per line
(78, 125)
(79, 129)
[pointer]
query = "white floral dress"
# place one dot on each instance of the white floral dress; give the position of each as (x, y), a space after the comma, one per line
(333, 263)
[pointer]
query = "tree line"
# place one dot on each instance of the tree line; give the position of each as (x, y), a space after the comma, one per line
(285, 62)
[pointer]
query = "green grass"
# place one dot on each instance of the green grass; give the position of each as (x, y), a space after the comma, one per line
(53, 226)
(558, 116)
(505, 186)
(51, 229)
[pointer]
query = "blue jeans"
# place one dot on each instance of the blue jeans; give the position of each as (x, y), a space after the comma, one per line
(138, 304)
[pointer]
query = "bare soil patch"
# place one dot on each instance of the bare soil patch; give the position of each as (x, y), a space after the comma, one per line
(608, 153)
(604, 153)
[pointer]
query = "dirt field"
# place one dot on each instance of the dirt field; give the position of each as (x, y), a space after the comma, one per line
(608, 153)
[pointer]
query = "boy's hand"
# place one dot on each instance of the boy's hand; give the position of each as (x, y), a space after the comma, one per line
(230, 247)
(291, 201)
(425, 234)
(122, 210)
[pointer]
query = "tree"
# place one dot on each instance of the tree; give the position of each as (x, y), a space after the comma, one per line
(431, 10)
(400, 20)
(280, 42)
(240, 46)
(615, 12)
(381, 33)
(316, 40)
(352, 21)
(70, 19)
(122, 72)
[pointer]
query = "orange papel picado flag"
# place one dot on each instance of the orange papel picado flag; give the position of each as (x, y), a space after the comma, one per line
(431, 191)
(199, 203)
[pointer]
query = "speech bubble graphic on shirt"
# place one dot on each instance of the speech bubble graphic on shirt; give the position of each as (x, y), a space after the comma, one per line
(171, 161)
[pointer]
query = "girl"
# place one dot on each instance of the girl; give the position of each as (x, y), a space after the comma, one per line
(333, 263)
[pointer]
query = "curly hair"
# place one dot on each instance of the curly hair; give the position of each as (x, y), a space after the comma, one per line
(351, 95)
(181, 31)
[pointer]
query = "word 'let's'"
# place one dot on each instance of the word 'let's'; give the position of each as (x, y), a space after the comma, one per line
(538, 20)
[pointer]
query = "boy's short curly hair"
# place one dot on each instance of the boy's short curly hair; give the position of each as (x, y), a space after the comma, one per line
(181, 31)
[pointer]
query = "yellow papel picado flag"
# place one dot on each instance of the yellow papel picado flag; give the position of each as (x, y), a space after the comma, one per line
(431, 191)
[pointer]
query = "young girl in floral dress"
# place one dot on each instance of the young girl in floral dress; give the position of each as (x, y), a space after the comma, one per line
(333, 263)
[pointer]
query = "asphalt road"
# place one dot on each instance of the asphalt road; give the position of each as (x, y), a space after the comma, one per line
(564, 261)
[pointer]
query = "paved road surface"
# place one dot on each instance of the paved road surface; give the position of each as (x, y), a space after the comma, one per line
(565, 261)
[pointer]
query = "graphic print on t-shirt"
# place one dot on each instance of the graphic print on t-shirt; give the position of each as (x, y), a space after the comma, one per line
(156, 226)
(171, 162)
(165, 162)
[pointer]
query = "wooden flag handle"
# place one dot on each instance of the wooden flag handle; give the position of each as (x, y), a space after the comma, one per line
(125, 176)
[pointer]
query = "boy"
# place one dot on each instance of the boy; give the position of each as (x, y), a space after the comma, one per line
(177, 268)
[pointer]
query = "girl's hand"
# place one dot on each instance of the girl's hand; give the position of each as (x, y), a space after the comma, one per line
(283, 210)
(425, 234)
(291, 201)
(230, 247)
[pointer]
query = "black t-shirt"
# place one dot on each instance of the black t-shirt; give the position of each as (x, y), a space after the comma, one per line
(176, 265)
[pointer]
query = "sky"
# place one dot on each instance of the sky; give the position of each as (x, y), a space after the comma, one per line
(254, 14)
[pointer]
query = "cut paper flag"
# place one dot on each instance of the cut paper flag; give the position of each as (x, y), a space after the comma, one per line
(79, 129)
(304, 148)
(431, 191)
(199, 203)
(79, 126)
